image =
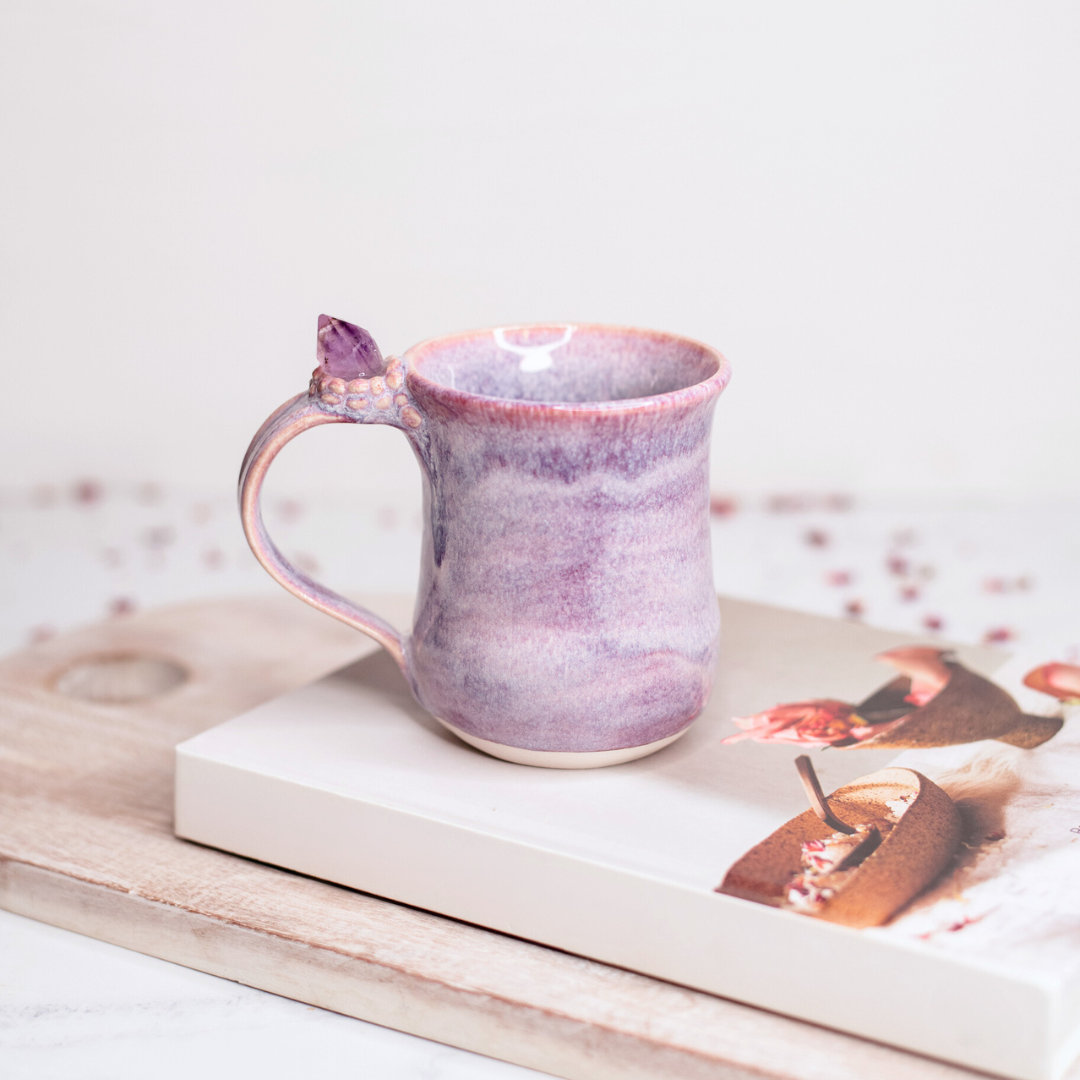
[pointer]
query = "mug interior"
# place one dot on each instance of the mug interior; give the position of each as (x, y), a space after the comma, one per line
(565, 364)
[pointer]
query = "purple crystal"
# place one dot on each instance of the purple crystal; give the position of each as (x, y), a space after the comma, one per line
(347, 351)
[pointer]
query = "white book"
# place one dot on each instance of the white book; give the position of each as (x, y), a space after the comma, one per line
(349, 780)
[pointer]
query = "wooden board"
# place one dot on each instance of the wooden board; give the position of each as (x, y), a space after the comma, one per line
(86, 843)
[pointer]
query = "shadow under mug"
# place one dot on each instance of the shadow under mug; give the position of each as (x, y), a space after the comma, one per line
(565, 614)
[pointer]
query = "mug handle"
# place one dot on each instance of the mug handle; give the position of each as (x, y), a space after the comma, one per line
(325, 403)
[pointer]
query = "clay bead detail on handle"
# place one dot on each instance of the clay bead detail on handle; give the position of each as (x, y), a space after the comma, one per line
(346, 387)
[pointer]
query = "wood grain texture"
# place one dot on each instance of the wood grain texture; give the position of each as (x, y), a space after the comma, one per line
(86, 843)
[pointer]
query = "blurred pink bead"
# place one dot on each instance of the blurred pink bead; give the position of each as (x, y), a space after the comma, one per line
(722, 506)
(87, 492)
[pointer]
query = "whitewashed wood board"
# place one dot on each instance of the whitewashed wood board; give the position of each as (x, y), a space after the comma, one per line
(86, 843)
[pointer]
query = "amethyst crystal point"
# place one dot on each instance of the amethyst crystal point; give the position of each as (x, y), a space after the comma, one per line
(347, 351)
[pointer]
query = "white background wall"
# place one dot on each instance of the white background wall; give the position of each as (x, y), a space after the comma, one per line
(871, 209)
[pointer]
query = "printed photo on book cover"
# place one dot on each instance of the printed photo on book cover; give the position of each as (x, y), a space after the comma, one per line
(896, 845)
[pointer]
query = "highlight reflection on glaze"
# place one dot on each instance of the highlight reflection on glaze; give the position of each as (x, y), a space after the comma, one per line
(534, 358)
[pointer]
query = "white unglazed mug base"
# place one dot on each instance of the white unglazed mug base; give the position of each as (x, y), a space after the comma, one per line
(564, 759)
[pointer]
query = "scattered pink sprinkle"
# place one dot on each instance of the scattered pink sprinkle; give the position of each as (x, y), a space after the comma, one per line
(213, 558)
(722, 505)
(1007, 585)
(148, 493)
(792, 503)
(816, 538)
(113, 557)
(898, 565)
(998, 635)
(786, 504)
(43, 496)
(904, 537)
(121, 605)
(87, 492)
(854, 609)
(305, 562)
(965, 921)
(158, 537)
(927, 571)
(909, 592)
(289, 510)
(933, 623)
(839, 578)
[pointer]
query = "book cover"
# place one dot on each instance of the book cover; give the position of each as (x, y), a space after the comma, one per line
(869, 831)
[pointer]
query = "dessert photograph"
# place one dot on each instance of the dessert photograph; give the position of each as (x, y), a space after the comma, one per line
(856, 857)
(933, 701)
(962, 839)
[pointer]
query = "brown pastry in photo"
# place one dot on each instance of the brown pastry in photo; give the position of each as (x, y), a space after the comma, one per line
(934, 701)
(857, 858)
(955, 705)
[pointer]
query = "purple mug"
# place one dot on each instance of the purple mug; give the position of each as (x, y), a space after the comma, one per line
(566, 614)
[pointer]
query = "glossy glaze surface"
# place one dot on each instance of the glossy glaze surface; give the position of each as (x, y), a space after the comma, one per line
(566, 598)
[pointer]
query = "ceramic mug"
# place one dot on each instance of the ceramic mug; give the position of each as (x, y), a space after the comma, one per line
(566, 614)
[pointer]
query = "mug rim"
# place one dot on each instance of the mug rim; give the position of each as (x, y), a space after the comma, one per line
(697, 392)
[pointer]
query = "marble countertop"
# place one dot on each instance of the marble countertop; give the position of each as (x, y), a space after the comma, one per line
(79, 552)
(74, 1007)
